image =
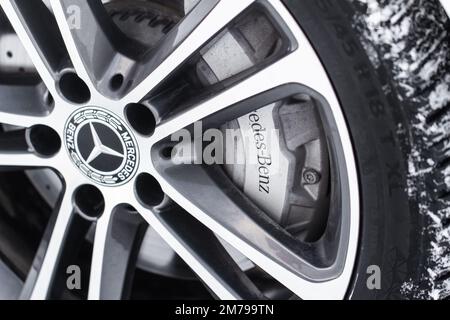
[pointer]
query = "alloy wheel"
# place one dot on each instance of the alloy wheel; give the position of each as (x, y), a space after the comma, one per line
(112, 148)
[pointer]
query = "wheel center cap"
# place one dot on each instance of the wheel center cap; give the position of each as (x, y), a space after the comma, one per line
(101, 146)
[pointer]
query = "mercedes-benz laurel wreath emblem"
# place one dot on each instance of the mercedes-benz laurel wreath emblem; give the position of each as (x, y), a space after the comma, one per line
(101, 146)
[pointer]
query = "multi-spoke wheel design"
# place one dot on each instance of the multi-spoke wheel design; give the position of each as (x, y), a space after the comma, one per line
(91, 109)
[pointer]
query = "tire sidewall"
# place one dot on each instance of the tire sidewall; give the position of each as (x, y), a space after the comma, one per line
(390, 231)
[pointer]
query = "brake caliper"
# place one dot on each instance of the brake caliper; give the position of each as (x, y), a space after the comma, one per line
(286, 164)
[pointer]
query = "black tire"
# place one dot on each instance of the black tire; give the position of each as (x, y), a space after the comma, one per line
(394, 222)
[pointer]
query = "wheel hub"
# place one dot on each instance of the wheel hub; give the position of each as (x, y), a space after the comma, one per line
(101, 146)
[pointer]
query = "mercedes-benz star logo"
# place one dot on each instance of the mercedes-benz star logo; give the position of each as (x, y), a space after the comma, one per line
(101, 146)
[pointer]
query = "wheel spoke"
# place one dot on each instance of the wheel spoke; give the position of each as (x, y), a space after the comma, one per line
(117, 236)
(20, 120)
(50, 252)
(35, 27)
(22, 161)
(94, 44)
(204, 21)
(269, 78)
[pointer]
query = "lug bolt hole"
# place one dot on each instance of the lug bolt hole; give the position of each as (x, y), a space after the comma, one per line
(148, 190)
(44, 140)
(90, 202)
(116, 82)
(73, 88)
(141, 119)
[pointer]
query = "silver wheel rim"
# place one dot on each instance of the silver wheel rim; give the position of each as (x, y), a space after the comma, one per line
(201, 24)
